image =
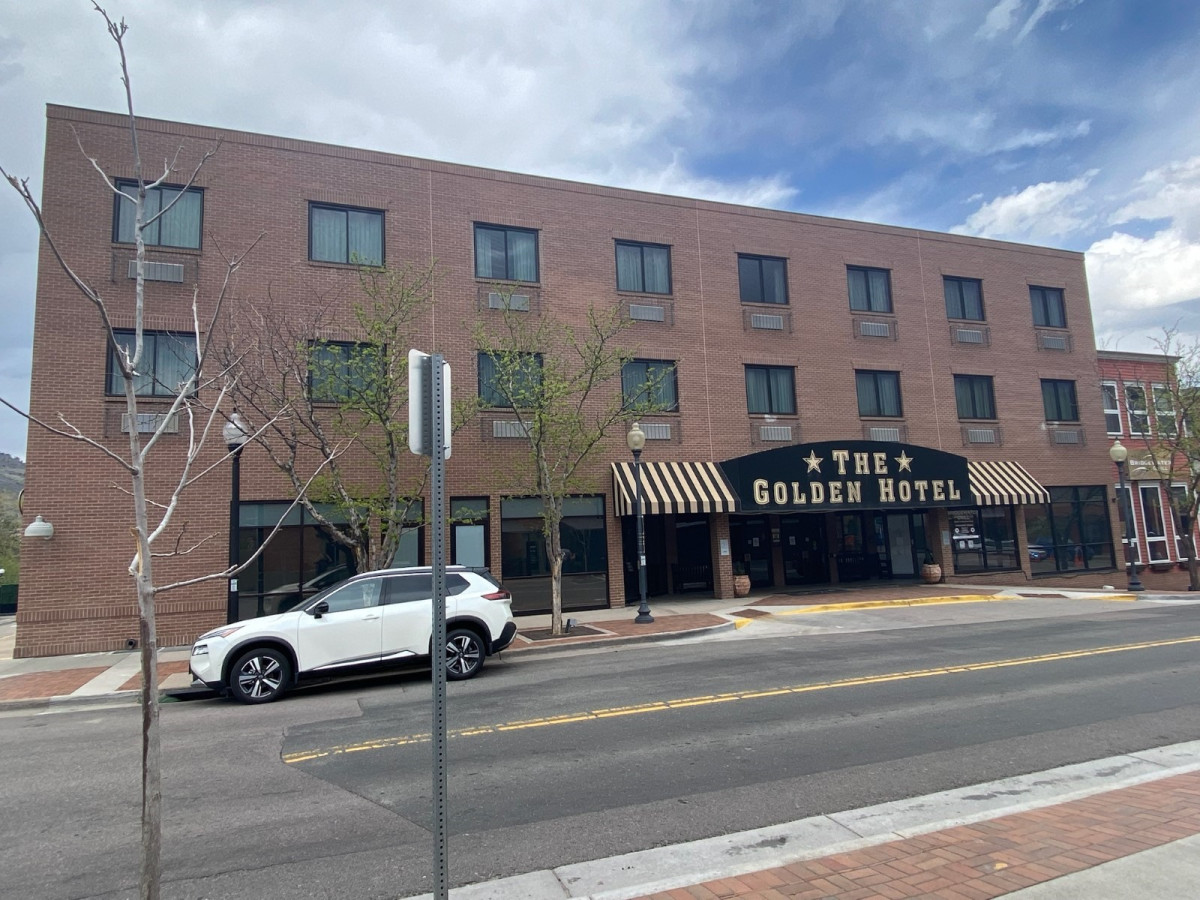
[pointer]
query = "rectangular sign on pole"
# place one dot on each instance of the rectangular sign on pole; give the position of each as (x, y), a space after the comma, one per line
(420, 404)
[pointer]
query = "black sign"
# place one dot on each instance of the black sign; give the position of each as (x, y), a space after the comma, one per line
(848, 475)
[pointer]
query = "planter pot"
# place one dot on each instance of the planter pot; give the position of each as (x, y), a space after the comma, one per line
(931, 573)
(741, 585)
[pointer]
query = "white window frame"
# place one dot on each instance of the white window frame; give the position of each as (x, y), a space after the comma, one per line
(1115, 408)
(1133, 412)
(1177, 487)
(1129, 523)
(1152, 490)
(1164, 410)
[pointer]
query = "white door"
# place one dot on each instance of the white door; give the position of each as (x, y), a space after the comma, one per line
(351, 633)
(900, 544)
(408, 613)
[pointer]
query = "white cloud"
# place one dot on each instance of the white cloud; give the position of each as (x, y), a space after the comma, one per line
(1168, 192)
(1042, 212)
(999, 19)
(1043, 9)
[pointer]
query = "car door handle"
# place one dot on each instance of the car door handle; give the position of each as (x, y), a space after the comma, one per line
(370, 616)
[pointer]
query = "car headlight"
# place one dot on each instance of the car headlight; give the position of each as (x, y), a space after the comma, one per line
(200, 650)
(219, 632)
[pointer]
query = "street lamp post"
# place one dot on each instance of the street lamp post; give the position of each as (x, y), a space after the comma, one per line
(1118, 454)
(636, 439)
(235, 434)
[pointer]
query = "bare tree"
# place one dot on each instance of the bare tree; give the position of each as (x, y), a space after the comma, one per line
(562, 385)
(346, 385)
(1164, 420)
(196, 402)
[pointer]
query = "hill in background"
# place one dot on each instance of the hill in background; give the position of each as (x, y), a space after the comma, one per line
(12, 474)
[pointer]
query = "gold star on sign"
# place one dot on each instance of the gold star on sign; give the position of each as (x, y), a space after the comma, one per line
(905, 461)
(814, 461)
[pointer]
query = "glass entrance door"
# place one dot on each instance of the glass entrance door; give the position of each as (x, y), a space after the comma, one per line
(805, 554)
(751, 539)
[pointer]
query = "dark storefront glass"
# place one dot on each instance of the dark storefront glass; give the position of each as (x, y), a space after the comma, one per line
(526, 565)
(984, 539)
(300, 560)
(1071, 533)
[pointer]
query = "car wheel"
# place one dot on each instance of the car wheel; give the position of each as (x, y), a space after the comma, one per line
(464, 654)
(260, 676)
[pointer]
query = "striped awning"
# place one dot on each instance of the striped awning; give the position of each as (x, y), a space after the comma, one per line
(1003, 483)
(673, 487)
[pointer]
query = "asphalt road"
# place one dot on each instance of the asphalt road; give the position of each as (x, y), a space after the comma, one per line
(587, 754)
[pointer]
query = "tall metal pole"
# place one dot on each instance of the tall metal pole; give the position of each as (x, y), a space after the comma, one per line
(437, 473)
(643, 616)
(1135, 583)
(231, 611)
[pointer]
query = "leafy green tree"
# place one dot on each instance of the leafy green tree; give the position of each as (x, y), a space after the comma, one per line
(562, 385)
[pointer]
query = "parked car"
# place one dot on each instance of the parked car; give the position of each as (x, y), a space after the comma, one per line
(1040, 551)
(371, 621)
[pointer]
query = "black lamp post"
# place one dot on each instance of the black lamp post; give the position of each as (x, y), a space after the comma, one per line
(636, 439)
(235, 434)
(1118, 454)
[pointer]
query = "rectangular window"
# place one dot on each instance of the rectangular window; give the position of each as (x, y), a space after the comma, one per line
(506, 254)
(878, 394)
(510, 379)
(985, 539)
(469, 541)
(1152, 515)
(168, 360)
(870, 289)
(762, 279)
(1072, 532)
(1135, 408)
(964, 298)
(1179, 506)
(649, 384)
(771, 390)
(1048, 309)
(1058, 400)
(179, 226)
(975, 396)
(340, 371)
(585, 553)
(1129, 529)
(344, 234)
(1112, 411)
(1164, 411)
(643, 268)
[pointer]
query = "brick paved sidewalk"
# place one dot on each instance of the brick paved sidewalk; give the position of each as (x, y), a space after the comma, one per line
(986, 859)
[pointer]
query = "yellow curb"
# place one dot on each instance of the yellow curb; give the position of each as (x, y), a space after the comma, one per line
(883, 604)
(741, 623)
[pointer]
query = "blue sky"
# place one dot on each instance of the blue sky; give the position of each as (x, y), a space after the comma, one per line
(1068, 123)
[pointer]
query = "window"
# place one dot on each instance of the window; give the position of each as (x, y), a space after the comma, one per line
(985, 539)
(649, 384)
(506, 254)
(357, 595)
(1112, 412)
(509, 379)
(469, 541)
(964, 298)
(1071, 532)
(975, 396)
(343, 234)
(340, 371)
(1135, 408)
(1058, 399)
(870, 289)
(1164, 411)
(762, 279)
(878, 393)
(1129, 542)
(771, 390)
(1179, 507)
(179, 226)
(585, 553)
(643, 268)
(1152, 515)
(168, 360)
(1048, 309)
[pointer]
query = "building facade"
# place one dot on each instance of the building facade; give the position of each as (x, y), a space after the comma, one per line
(840, 400)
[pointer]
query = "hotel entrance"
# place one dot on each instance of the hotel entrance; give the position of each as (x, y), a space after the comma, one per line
(805, 549)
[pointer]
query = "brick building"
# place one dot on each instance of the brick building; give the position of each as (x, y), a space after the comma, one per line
(848, 400)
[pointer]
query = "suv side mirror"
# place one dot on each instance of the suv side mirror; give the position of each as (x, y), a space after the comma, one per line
(318, 610)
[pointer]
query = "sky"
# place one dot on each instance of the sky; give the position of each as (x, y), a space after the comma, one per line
(1063, 123)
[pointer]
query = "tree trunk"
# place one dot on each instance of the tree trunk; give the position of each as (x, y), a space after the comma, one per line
(151, 741)
(554, 549)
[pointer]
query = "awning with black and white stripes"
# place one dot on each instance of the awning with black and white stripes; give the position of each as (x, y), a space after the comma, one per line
(1004, 483)
(673, 487)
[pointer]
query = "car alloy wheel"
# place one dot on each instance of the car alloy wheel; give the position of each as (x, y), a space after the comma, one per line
(464, 654)
(259, 676)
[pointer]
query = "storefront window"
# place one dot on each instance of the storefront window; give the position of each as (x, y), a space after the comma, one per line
(300, 560)
(524, 558)
(1072, 533)
(984, 539)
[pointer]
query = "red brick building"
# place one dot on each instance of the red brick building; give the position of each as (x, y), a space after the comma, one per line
(1139, 410)
(850, 400)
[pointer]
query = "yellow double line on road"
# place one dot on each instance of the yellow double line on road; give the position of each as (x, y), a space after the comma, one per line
(710, 699)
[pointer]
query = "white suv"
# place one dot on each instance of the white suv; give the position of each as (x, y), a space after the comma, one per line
(373, 620)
